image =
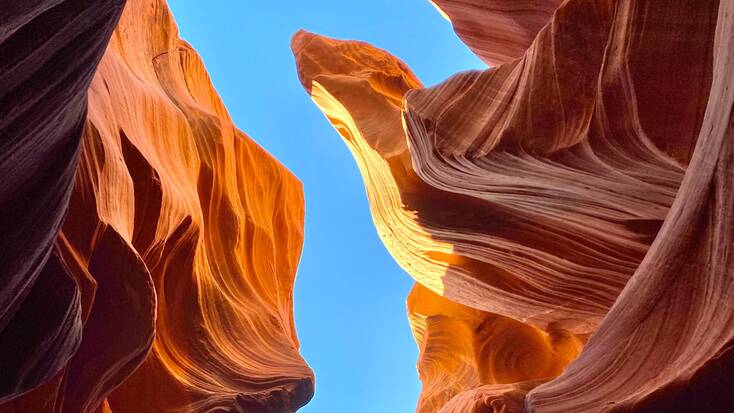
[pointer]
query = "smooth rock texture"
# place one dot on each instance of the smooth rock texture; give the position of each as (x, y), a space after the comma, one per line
(462, 348)
(568, 187)
(498, 31)
(667, 344)
(170, 284)
(49, 50)
(535, 192)
(217, 221)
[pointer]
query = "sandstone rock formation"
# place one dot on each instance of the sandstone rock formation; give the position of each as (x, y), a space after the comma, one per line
(529, 195)
(498, 31)
(48, 54)
(169, 287)
(464, 348)
(668, 342)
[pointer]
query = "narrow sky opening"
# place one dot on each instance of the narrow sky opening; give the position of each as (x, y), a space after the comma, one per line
(350, 294)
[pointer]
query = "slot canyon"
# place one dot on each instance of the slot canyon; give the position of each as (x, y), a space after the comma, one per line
(566, 213)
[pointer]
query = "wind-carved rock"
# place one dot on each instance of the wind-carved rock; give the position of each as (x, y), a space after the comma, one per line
(464, 348)
(49, 51)
(170, 283)
(530, 194)
(498, 31)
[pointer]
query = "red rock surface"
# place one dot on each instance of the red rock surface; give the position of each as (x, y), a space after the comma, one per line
(567, 215)
(666, 345)
(170, 283)
(536, 192)
(498, 31)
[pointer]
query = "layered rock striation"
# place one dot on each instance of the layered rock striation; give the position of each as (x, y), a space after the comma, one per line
(498, 31)
(550, 199)
(465, 348)
(169, 285)
(49, 51)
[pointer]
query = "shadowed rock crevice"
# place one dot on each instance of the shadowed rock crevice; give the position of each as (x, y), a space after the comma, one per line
(148, 193)
(49, 51)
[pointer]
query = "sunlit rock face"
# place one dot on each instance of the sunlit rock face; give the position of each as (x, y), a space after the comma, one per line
(464, 348)
(461, 347)
(579, 194)
(170, 283)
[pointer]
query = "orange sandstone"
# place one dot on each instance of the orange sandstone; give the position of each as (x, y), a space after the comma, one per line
(462, 348)
(181, 240)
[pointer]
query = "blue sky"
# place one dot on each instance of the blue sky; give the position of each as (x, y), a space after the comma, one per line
(350, 294)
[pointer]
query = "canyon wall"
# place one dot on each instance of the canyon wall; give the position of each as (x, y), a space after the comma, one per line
(568, 197)
(48, 54)
(169, 285)
(497, 31)
(566, 214)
